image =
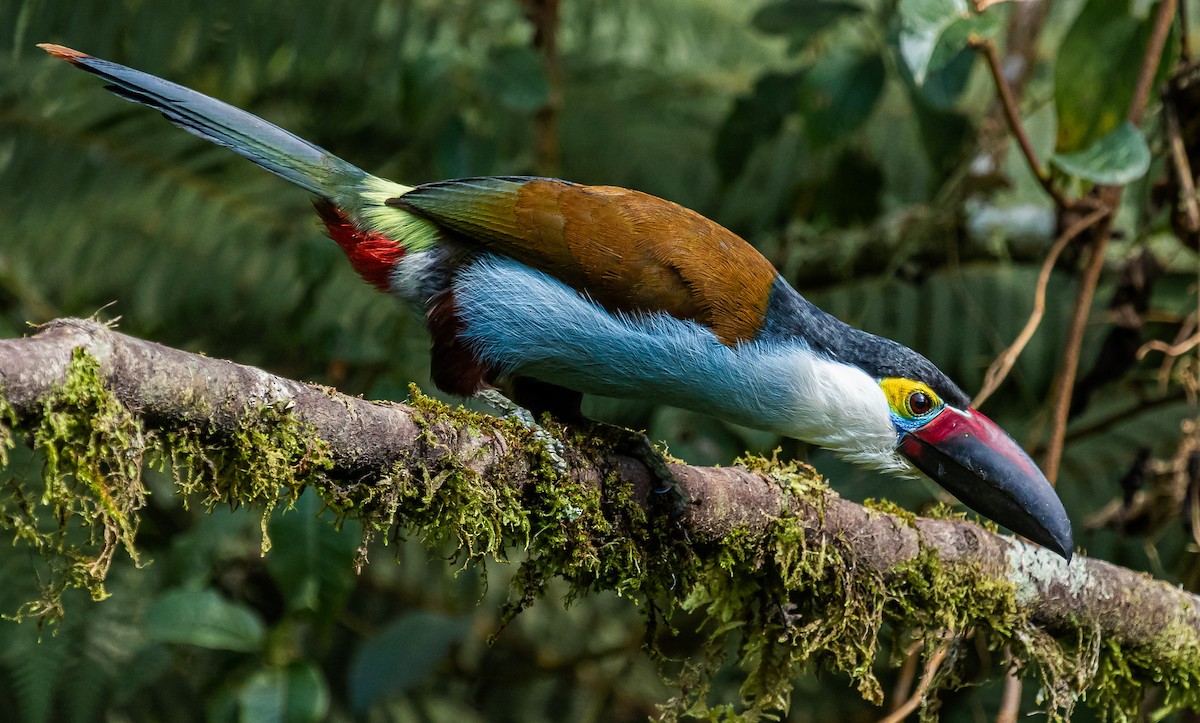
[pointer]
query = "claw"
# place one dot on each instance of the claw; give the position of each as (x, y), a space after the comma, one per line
(625, 441)
(509, 408)
(639, 446)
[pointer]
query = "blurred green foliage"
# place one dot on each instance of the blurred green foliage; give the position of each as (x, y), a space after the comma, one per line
(848, 141)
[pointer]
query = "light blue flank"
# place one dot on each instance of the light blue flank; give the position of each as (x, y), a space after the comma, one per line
(528, 323)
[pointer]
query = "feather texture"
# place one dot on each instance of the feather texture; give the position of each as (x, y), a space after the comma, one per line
(289, 156)
(522, 322)
(627, 250)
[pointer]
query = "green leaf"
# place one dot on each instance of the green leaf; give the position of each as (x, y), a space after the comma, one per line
(1116, 159)
(802, 20)
(403, 654)
(754, 119)
(311, 560)
(206, 619)
(839, 95)
(35, 669)
(295, 695)
(1096, 71)
(943, 132)
(942, 87)
(934, 32)
(516, 77)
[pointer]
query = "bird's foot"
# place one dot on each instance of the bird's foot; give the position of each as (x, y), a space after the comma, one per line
(638, 445)
(554, 447)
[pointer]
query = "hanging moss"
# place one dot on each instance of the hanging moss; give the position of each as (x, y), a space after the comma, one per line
(795, 604)
(86, 506)
(91, 485)
(597, 538)
(269, 457)
(8, 421)
(782, 599)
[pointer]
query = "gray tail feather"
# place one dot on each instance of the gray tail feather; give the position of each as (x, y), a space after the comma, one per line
(289, 156)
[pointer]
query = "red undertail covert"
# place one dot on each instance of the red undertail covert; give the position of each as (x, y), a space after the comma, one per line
(372, 255)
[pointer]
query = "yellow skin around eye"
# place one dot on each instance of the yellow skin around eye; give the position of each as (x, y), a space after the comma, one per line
(898, 390)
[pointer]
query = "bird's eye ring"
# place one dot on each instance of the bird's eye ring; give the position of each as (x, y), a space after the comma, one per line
(919, 403)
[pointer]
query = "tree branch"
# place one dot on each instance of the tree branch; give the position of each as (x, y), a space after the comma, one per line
(1003, 364)
(1153, 626)
(1110, 198)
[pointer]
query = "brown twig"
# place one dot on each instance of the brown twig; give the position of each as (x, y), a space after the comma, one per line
(1150, 61)
(1183, 167)
(1171, 350)
(1164, 369)
(1010, 703)
(1003, 364)
(544, 15)
(930, 670)
(1185, 43)
(905, 677)
(1013, 117)
(1069, 367)
(1109, 197)
(1019, 58)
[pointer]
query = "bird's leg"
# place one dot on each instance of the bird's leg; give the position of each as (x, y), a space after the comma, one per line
(533, 397)
(564, 405)
(545, 398)
(637, 445)
(509, 408)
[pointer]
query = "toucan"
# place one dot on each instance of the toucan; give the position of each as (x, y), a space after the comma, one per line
(552, 289)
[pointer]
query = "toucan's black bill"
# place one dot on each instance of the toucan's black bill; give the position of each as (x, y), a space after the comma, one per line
(977, 462)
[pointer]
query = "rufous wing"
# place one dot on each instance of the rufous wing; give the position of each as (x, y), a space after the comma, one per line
(628, 250)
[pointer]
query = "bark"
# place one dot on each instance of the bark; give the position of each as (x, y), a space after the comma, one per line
(168, 387)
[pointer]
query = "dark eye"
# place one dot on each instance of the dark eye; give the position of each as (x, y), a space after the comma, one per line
(919, 403)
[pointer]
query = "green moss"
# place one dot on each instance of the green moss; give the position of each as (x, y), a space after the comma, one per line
(793, 604)
(779, 600)
(793, 476)
(91, 487)
(86, 506)
(888, 507)
(597, 539)
(271, 456)
(1123, 676)
(8, 422)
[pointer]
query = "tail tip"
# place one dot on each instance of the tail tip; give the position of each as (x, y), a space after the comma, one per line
(61, 51)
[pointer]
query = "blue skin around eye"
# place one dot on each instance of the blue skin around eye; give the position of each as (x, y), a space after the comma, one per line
(905, 425)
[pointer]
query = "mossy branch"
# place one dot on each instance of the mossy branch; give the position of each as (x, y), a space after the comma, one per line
(797, 574)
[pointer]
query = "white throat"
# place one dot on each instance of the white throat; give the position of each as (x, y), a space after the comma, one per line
(827, 403)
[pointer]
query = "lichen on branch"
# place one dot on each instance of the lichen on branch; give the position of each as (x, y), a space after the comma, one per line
(766, 560)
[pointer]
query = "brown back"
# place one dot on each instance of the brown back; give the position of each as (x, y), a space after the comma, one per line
(628, 250)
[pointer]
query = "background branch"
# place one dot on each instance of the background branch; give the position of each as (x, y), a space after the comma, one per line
(1012, 116)
(1110, 197)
